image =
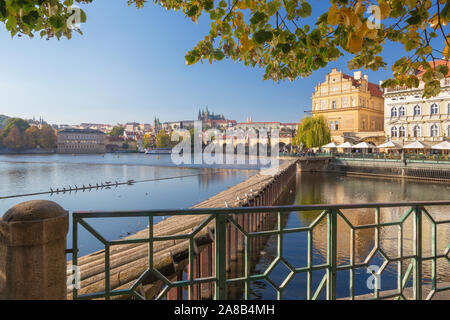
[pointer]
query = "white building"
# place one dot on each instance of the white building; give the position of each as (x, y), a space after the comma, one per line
(409, 117)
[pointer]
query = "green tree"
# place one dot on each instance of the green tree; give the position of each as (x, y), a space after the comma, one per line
(312, 132)
(3, 121)
(47, 137)
(162, 139)
(277, 36)
(117, 132)
(20, 124)
(147, 141)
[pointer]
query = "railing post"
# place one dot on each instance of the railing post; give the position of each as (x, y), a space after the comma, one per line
(220, 232)
(32, 252)
(331, 253)
(418, 253)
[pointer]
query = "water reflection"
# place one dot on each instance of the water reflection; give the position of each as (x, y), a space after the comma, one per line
(316, 188)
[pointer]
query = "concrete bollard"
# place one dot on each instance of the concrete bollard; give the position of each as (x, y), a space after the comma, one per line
(32, 252)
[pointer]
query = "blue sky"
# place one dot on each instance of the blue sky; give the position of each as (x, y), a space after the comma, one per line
(129, 66)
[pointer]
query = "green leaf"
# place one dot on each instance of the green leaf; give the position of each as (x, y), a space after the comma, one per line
(262, 36)
(57, 22)
(305, 10)
(218, 54)
(192, 11)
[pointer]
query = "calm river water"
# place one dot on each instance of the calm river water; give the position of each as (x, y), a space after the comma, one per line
(28, 174)
(320, 188)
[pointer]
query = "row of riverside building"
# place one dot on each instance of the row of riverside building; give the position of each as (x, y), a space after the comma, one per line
(357, 110)
(354, 109)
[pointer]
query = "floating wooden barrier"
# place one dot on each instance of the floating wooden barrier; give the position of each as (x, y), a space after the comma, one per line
(128, 262)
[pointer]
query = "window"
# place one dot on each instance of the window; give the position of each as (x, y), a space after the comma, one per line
(417, 131)
(434, 108)
(394, 112)
(402, 111)
(448, 108)
(333, 104)
(364, 124)
(402, 132)
(336, 125)
(394, 132)
(434, 130)
(332, 125)
(448, 131)
(417, 110)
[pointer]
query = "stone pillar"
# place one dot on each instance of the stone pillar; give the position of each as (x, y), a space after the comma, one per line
(32, 251)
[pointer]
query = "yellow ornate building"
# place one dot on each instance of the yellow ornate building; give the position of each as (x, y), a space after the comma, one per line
(352, 106)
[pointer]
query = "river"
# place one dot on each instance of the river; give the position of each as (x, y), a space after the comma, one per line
(187, 186)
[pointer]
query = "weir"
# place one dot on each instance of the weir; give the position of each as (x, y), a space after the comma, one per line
(129, 262)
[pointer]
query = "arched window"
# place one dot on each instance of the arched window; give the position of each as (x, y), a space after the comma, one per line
(417, 110)
(417, 131)
(434, 130)
(402, 132)
(394, 132)
(402, 111)
(394, 112)
(434, 108)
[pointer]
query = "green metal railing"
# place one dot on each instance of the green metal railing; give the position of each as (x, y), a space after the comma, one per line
(329, 215)
(411, 158)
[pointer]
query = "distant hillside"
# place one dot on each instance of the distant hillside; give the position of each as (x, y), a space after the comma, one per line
(3, 121)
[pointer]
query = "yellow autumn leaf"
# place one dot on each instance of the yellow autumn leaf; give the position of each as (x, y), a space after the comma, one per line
(385, 10)
(360, 8)
(362, 30)
(246, 43)
(372, 34)
(333, 15)
(350, 18)
(241, 5)
(446, 52)
(354, 43)
(434, 21)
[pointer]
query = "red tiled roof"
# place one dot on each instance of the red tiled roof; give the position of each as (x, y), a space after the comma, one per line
(374, 89)
(436, 63)
(258, 122)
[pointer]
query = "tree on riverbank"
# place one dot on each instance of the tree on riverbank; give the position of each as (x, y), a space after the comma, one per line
(47, 137)
(19, 123)
(162, 139)
(275, 34)
(117, 132)
(312, 132)
(14, 136)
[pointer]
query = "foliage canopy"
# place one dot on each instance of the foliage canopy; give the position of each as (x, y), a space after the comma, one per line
(273, 34)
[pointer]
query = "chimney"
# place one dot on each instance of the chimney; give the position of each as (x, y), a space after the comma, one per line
(357, 75)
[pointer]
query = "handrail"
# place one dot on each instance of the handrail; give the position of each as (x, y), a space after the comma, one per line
(287, 208)
(249, 225)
